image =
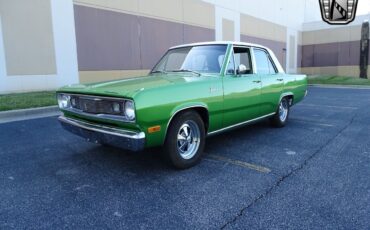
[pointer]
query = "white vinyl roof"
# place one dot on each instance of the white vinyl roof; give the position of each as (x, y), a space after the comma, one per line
(220, 43)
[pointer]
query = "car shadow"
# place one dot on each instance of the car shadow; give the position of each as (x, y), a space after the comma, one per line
(109, 158)
(232, 138)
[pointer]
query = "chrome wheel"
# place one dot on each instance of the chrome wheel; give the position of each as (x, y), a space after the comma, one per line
(188, 139)
(283, 110)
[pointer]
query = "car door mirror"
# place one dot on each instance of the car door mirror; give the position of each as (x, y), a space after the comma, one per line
(242, 69)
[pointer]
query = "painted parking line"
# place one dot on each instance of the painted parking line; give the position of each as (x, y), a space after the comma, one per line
(328, 106)
(239, 163)
(312, 122)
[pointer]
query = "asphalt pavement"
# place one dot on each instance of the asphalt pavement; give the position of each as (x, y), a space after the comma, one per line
(312, 174)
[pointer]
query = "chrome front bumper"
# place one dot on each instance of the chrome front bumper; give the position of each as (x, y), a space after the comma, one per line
(134, 141)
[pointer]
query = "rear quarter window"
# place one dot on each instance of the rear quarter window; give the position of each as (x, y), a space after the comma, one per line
(263, 62)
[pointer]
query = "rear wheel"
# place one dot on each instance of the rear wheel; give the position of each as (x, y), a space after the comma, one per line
(281, 116)
(185, 140)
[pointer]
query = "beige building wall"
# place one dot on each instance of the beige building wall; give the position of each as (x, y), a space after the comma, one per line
(332, 35)
(195, 13)
(345, 71)
(269, 34)
(260, 28)
(38, 38)
(332, 51)
(191, 12)
(28, 37)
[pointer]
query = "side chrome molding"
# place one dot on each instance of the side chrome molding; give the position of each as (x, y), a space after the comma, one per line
(239, 124)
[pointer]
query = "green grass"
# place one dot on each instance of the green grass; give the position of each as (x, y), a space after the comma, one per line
(335, 80)
(27, 100)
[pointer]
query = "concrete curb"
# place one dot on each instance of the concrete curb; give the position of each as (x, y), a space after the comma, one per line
(25, 114)
(340, 86)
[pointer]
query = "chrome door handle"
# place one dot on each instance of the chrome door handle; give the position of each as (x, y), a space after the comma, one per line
(280, 79)
(257, 81)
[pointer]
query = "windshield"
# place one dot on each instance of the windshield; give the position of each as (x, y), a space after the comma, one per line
(198, 59)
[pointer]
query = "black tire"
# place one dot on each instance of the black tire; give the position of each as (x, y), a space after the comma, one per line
(278, 120)
(172, 150)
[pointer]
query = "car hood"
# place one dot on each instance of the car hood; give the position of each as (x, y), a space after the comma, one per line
(129, 87)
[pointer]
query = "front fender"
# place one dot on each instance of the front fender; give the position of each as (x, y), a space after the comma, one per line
(164, 116)
(157, 107)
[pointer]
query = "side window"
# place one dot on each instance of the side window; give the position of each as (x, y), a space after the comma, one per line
(263, 62)
(242, 56)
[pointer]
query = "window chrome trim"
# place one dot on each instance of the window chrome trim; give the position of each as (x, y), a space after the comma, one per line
(231, 57)
(251, 57)
(191, 46)
(251, 53)
(122, 118)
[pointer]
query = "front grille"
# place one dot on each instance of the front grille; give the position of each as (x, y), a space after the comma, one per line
(97, 105)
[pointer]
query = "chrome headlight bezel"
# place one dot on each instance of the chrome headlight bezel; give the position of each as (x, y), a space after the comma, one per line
(129, 110)
(64, 101)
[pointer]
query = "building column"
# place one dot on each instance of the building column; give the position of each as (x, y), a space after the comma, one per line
(65, 42)
(291, 51)
(227, 24)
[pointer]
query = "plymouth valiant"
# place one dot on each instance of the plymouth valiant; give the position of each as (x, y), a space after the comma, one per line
(194, 91)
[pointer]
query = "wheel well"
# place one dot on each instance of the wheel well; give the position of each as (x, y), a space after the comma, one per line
(290, 99)
(203, 113)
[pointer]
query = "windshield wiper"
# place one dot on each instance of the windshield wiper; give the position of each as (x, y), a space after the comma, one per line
(158, 71)
(186, 70)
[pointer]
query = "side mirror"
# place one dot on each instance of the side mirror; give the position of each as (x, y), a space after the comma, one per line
(242, 69)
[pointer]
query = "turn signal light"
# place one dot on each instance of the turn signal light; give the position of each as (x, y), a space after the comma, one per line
(154, 129)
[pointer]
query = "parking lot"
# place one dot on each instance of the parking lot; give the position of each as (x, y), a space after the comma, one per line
(312, 174)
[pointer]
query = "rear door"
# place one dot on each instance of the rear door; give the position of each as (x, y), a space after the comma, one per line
(272, 83)
(242, 91)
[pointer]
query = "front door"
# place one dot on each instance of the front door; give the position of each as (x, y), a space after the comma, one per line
(272, 82)
(242, 89)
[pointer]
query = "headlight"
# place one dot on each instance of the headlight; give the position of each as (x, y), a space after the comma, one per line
(64, 101)
(130, 110)
(116, 107)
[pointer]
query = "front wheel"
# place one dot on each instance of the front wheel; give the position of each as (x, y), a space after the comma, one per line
(185, 140)
(281, 116)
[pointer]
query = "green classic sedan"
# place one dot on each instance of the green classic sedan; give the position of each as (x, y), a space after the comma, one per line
(194, 91)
